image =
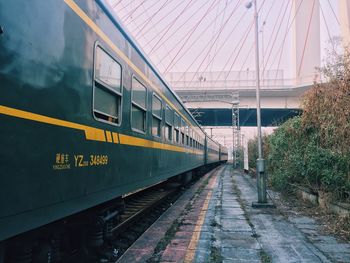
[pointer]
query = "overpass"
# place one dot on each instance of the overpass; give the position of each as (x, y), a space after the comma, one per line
(210, 96)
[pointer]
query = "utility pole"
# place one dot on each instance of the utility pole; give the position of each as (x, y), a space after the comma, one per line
(260, 162)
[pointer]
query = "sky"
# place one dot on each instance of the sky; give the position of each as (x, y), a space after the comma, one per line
(217, 35)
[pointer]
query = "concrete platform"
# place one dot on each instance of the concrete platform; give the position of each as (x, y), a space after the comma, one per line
(214, 222)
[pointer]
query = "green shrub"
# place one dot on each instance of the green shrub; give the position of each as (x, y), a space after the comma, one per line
(313, 149)
(285, 162)
(297, 157)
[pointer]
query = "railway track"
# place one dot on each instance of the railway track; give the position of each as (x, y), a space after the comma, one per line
(137, 206)
(141, 210)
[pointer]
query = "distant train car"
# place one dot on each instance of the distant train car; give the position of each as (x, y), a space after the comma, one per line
(223, 154)
(85, 119)
(213, 151)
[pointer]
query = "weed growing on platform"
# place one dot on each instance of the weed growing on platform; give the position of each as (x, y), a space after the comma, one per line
(162, 244)
(214, 223)
(265, 258)
(215, 253)
(242, 204)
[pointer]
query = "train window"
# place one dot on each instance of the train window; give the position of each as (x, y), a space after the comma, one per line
(169, 117)
(192, 141)
(138, 105)
(189, 137)
(183, 127)
(107, 70)
(107, 87)
(177, 127)
(157, 116)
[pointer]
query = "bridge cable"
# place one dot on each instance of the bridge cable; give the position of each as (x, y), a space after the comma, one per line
(134, 19)
(335, 15)
(215, 41)
(180, 3)
(242, 40)
(146, 40)
(223, 43)
(116, 4)
(239, 51)
(249, 53)
(198, 37)
(214, 28)
(283, 42)
(164, 46)
(216, 37)
(194, 29)
(275, 38)
(172, 23)
(328, 32)
(123, 7)
(150, 18)
(264, 21)
(132, 11)
(307, 37)
(286, 34)
(188, 34)
(274, 27)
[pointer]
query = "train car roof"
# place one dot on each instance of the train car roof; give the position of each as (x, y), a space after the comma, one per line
(116, 21)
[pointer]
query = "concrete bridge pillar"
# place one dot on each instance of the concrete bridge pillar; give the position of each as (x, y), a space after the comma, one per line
(344, 14)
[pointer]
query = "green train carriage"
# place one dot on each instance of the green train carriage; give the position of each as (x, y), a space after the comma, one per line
(85, 117)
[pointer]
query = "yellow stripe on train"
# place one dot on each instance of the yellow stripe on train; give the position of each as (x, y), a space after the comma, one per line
(95, 134)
